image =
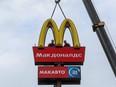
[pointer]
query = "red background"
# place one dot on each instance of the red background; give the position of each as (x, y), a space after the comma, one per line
(54, 50)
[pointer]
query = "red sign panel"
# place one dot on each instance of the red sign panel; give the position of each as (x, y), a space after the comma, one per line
(59, 72)
(65, 55)
(52, 72)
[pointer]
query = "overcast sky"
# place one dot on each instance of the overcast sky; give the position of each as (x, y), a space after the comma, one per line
(20, 25)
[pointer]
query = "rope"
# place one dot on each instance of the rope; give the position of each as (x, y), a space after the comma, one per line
(57, 3)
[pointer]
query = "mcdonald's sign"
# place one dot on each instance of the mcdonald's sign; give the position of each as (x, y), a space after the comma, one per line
(59, 54)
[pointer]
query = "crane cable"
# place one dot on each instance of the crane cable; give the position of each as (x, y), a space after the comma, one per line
(57, 3)
(106, 28)
(111, 38)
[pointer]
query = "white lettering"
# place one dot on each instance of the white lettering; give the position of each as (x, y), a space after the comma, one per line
(52, 72)
(58, 55)
(41, 72)
(42, 55)
(46, 55)
(39, 55)
(53, 56)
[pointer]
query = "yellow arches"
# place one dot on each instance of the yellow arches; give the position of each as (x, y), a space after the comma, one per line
(48, 24)
(67, 23)
(58, 34)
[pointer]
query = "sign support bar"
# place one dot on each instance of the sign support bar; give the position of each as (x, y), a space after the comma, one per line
(58, 84)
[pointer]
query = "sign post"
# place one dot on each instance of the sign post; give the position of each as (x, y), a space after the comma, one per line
(58, 83)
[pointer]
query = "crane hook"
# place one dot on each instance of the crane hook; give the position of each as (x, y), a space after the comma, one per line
(57, 1)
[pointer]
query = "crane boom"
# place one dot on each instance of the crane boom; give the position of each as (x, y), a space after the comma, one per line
(98, 27)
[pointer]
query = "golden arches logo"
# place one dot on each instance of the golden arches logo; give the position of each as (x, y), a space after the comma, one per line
(58, 34)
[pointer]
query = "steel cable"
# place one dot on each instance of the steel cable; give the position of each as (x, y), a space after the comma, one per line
(57, 3)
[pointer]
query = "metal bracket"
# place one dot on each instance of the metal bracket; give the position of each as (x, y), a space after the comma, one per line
(57, 1)
(100, 24)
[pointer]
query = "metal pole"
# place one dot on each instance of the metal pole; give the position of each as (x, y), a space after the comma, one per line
(55, 85)
(102, 35)
(58, 82)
